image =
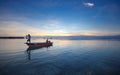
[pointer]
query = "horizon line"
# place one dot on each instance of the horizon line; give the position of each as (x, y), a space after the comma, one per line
(57, 36)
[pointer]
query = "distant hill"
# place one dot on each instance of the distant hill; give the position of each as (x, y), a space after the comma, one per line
(11, 37)
(115, 37)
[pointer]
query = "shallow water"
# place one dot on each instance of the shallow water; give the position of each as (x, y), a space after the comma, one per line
(65, 57)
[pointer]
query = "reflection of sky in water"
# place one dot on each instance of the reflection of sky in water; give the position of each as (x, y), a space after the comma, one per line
(65, 57)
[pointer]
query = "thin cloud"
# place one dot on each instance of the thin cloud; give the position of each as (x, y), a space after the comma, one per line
(13, 28)
(88, 4)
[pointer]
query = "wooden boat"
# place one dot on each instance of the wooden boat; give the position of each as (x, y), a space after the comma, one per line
(43, 44)
(37, 47)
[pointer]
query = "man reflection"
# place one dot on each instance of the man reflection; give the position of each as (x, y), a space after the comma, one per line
(29, 54)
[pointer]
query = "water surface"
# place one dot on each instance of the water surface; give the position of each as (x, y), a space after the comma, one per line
(65, 57)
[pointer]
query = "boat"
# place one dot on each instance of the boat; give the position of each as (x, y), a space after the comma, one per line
(37, 47)
(40, 44)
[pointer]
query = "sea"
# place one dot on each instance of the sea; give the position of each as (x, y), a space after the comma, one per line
(64, 57)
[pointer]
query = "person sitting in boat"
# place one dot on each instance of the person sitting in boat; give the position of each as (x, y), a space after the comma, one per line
(47, 41)
(28, 37)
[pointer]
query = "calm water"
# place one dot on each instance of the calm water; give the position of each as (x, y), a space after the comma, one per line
(65, 57)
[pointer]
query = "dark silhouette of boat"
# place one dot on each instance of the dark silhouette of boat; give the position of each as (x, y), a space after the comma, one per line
(43, 44)
(38, 47)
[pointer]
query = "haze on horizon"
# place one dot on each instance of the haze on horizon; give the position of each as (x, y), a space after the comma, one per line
(59, 17)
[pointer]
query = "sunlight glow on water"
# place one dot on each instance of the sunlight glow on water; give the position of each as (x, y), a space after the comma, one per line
(65, 57)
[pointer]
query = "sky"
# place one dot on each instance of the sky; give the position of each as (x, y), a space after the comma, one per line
(59, 17)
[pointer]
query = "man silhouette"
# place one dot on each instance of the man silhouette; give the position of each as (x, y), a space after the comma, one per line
(28, 38)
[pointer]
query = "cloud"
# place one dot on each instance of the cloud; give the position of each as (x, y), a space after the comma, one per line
(16, 28)
(13, 28)
(12, 25)
(93, 33)
(88, 4)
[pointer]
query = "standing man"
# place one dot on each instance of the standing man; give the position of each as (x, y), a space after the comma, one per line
(28, 37)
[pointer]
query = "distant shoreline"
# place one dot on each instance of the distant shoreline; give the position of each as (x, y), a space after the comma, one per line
(11, 37)
(115, 37)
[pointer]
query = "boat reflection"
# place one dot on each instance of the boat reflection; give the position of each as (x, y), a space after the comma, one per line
(31, 48)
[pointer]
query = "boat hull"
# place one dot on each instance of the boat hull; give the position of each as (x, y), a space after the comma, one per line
(44, 44)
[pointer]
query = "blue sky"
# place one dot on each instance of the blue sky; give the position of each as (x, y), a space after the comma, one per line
(59, 17)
